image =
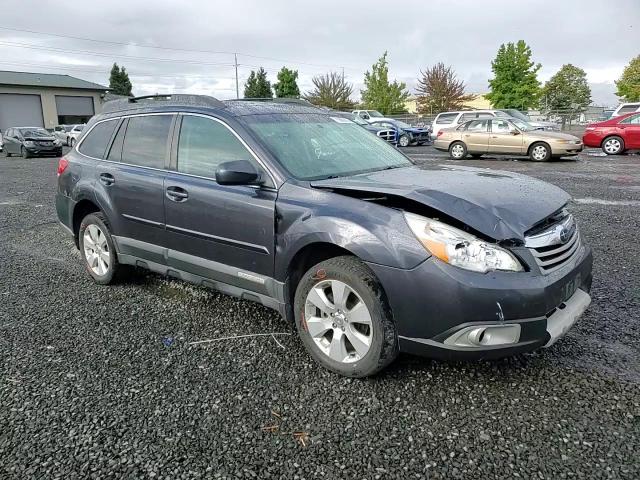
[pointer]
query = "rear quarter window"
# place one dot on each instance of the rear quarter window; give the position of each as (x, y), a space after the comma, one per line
(95, 143)
(445, 118)
(145, 142)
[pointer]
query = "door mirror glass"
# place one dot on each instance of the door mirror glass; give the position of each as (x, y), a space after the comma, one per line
(514, 131)
(237, 172)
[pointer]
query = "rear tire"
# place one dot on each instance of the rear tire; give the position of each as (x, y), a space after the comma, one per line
(540, 152)
(613, 145)
(353, 334)
(458, 150)
(98, 250)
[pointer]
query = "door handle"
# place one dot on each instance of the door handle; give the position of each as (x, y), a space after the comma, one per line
(107, 179)
(177, 194)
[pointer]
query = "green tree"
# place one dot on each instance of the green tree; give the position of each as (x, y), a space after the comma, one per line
(567, 90)
(515, 82)
(379, 94)
(257, 85)
(332, 91)
(629, 83)
(287, 85)
(119, 82)
(439, 90)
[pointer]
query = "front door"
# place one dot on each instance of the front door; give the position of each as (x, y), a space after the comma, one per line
(505, 138)
(222, 232)
(476, 136)
(631, 129)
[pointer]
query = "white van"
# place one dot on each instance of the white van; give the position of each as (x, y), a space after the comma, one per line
(451, 119)
(626, 108)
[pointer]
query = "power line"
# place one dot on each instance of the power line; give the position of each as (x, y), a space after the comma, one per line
(110, 42)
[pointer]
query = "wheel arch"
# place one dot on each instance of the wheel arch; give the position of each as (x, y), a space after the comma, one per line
(610, 135)
(83, 208)
(537, 142)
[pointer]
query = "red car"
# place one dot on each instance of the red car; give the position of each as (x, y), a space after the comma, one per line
(615, 135)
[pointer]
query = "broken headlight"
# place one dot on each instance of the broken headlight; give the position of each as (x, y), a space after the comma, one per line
(459, 248)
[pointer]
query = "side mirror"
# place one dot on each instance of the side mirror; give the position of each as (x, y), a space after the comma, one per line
(515, 132)
(238, 172)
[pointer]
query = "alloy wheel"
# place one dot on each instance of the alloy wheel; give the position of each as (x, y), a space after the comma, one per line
(404, 141)
(612, 146)
(96, 250)
(539, 152)
(338, 321)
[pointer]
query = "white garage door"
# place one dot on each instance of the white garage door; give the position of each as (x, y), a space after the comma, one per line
(20, 111)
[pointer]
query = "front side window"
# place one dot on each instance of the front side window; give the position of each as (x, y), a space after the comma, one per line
(145, 142)
(500, 126)
(477, 126)
(204, 144)
(315, 146)
(96, 141)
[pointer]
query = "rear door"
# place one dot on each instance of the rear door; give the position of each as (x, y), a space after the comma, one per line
(502, 138)
(222, 232)
(476, 136)
(131, 181)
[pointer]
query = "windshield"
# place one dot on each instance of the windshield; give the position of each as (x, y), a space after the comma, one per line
(524, 126)
(34, 132)
(519, 115)
(402, 124)
(315, 146)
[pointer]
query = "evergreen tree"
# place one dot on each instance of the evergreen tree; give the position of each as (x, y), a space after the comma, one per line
(119, 82)
(287, 85)
(257, 85)
(379, 94)
(515, 82)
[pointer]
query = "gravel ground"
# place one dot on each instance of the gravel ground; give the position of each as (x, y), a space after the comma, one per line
(101, 382)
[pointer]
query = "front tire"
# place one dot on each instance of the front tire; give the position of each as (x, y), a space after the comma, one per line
(540, 152)
(24, 153)
(403, 141)
(613, 145)
(343, 318)
(97, 249)
(458, 150)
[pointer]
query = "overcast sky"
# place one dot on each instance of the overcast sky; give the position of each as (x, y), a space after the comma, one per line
(313, 37)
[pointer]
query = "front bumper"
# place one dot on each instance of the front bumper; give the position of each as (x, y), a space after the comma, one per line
(566, 150)
(37, 150)
(435, 302)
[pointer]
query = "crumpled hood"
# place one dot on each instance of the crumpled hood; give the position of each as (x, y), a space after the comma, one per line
(501, 205)
(40, 139)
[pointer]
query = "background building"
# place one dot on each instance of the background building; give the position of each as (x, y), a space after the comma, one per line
(46, 100)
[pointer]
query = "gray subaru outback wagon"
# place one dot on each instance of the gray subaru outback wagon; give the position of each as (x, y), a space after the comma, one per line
(306, 212)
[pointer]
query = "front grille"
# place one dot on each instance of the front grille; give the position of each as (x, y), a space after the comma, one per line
(388, 135)
(556, 245)
(45, 143)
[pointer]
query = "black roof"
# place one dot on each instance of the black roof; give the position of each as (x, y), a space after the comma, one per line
(229, 107)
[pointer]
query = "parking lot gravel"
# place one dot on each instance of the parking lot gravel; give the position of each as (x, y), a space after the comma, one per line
(108, 382)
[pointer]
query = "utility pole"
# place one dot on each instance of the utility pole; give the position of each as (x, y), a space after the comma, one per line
(343, 75)
(235, 56)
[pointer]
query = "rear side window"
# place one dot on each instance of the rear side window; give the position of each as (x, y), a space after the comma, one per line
(95, 143)
(628, 109)
(115, 153)
(204, 144)
(444, 118)
(477, 126)
(145, 143)
(500, 126)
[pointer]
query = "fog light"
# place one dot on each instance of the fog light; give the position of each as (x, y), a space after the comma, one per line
(485, 336)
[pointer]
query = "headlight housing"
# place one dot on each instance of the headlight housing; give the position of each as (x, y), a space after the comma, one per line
(29, 143)
(461, 249)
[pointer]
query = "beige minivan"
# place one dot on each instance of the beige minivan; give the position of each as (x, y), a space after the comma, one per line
(508, 136)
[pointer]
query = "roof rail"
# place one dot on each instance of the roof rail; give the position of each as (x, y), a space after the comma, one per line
(298, 101)
(169, 99)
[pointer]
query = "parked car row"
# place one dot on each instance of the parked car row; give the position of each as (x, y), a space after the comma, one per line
(30, 141)
(367, 254)
(68, 134)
